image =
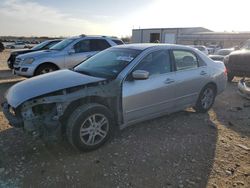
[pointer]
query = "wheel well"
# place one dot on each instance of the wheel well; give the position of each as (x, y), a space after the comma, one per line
(212, 84)
(46, 63)
(109, 103)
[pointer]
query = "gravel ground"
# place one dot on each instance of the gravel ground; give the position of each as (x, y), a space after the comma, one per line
(184, 149)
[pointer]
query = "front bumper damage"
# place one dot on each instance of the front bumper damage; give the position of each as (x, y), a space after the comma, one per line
(244, 89)
(43, 116)
(9, 113)
(46, 125)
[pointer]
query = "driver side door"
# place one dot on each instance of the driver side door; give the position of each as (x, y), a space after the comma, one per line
(145, 99)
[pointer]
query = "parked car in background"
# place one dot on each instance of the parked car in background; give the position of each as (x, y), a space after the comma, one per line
(244, 88)
(42, 46)
(16, 45)
(220, 54)
(115, 88)
(201, 48)
(213, 48)
(65, 54)
(1, 47)
(238, 62)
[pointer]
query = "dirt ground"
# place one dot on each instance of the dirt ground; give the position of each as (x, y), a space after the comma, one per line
(184, 149)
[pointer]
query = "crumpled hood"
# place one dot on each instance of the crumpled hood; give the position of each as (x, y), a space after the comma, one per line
(39, 54)
(45, 84)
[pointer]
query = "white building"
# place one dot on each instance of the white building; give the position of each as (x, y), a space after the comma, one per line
(189, 36)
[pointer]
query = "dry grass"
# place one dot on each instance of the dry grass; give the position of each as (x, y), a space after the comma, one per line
(3, 59)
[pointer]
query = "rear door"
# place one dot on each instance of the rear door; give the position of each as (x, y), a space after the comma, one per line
(191, 76)
(85, 49)
(143, 99)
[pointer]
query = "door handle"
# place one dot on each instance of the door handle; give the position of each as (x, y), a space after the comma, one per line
(169, 81)
(203, 73)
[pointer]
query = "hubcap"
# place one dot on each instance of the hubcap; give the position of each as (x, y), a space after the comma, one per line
(207, 98)
(94, 129)
(46, 70)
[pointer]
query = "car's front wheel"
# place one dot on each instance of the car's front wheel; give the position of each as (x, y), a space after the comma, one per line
(89, 126)
(206, 99)
(45, 68)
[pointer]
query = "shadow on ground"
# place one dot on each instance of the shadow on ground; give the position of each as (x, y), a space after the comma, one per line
(175, 150)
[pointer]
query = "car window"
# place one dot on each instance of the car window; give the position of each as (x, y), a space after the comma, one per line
(63, 44)
(155, 63)
(98, 44)
(82, 46)
(184, 60)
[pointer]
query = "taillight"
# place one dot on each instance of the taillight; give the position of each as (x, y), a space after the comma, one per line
(225, 71)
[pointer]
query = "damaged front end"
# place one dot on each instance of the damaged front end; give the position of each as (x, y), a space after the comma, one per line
(42, 116)
(13, 115)
(244, 88)
(38, 117)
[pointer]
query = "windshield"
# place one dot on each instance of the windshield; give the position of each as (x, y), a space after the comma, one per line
(61, 45)
(40, 46)
(108, 63)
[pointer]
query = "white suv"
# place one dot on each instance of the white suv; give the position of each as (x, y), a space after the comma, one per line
(65, 54)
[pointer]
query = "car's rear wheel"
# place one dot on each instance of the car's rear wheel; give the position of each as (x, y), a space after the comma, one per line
(230, 77)
(206, 99)
(46, 68)
(89, 126)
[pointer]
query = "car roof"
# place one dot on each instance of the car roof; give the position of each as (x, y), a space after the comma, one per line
(94, 37)
(144, 46)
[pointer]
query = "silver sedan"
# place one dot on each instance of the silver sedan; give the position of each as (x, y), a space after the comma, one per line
(119, 86)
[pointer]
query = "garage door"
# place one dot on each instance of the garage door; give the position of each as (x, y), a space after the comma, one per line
(170, 38)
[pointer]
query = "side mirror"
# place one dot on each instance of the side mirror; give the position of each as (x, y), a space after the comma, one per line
(71, 51)
(140, 75)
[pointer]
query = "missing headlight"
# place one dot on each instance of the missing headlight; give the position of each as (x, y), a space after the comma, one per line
(43, 108)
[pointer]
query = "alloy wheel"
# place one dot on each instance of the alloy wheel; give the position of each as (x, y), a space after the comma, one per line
(94, 129)
(207, 98)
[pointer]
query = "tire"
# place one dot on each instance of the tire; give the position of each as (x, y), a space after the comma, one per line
(230, 77)
(93, 135)
(45, 68)
(206, 99)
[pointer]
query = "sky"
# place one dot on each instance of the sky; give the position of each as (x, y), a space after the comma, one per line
(56, 18)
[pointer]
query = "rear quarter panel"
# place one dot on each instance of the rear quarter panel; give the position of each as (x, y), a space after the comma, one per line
(217, 73)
